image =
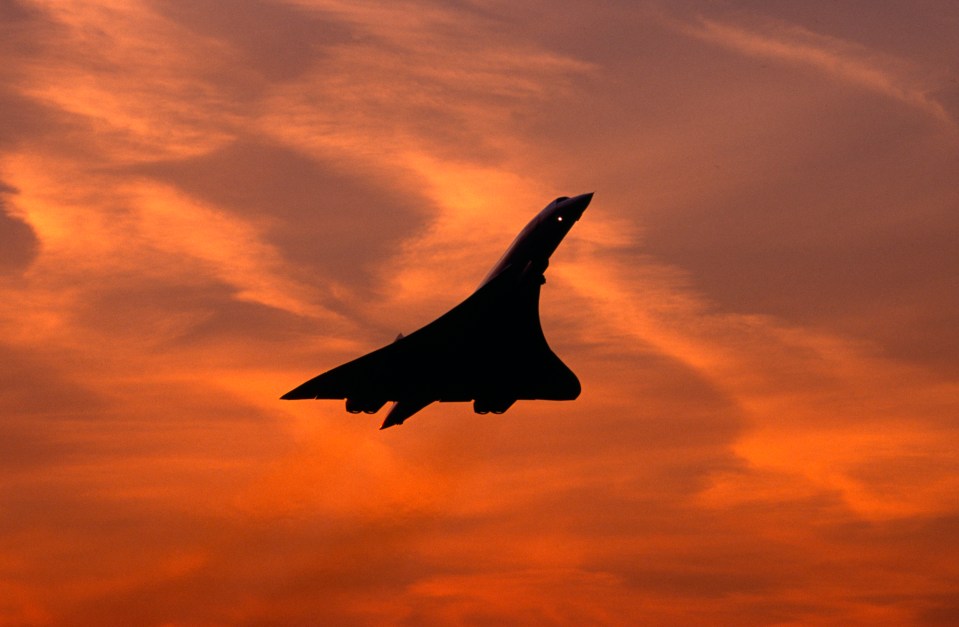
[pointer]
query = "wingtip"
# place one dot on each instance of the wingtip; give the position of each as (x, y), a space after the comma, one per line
(294, 395)
(390, 423)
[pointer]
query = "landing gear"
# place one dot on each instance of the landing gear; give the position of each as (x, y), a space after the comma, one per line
(364, 405)
(496, 406)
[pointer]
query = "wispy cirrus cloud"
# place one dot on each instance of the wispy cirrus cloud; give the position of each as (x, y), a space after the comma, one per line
(845, 61)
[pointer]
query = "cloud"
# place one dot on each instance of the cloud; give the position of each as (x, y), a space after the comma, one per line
(852, 64)
(18, 244)
(278, 41)
(313, 205)
(817, 404)
(435, 79)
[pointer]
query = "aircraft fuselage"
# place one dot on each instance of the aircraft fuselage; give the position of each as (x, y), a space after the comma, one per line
(489, 349)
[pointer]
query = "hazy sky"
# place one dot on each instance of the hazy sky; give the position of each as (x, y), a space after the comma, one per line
(203, 204)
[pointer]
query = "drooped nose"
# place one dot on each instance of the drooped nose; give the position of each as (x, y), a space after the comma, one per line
(576, 205)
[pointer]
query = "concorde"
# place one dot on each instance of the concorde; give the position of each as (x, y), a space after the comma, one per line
(489, 349)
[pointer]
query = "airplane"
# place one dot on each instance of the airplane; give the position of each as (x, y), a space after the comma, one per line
(489, 349)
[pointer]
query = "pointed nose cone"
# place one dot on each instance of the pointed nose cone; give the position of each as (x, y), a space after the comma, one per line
(577, 204)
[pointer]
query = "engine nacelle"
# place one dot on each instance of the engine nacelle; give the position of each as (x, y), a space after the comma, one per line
(494, 405)
(364, 405)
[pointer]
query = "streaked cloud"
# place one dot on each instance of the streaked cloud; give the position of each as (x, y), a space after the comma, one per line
(17, 240)
(845, 61)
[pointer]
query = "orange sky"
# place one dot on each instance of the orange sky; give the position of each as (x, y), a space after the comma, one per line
(201, 207)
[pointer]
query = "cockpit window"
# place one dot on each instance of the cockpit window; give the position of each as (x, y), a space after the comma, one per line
(560, 199)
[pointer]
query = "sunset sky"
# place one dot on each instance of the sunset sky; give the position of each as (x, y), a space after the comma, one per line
(205, 203)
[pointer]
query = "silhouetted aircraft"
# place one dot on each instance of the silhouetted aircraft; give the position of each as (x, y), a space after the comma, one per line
(489, 349)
